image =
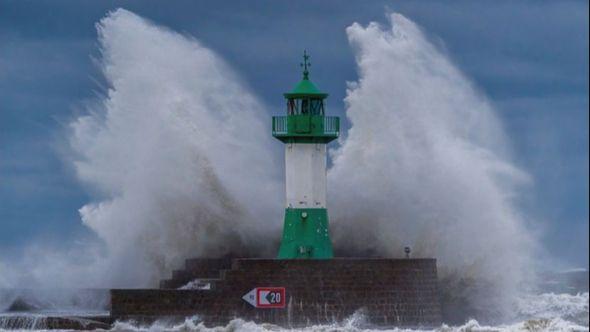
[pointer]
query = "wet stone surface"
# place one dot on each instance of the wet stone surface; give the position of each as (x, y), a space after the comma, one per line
(390, 292)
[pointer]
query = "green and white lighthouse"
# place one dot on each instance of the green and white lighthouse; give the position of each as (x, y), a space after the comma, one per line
(305, 130)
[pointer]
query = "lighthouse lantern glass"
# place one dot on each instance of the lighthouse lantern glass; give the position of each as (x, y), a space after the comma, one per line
(310, 106)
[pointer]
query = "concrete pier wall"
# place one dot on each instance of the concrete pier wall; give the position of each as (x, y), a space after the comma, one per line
(390, 292)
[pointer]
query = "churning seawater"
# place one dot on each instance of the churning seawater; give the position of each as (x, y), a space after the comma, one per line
(544, 312)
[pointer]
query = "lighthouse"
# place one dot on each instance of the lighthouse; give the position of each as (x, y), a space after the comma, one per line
(305, 131)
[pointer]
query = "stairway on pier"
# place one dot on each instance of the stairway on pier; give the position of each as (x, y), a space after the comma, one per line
(198, 271)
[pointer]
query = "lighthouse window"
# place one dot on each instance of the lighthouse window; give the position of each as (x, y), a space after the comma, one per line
(291, 107)
(304, 106)
(317, 107)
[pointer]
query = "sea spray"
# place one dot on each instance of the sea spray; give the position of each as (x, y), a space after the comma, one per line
(178, 152)
(425, 164)
(177, 155)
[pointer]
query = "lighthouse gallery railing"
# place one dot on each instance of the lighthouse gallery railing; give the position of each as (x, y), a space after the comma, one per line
(330, 125)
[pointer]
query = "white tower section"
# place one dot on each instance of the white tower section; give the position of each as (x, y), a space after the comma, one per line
(306, 175)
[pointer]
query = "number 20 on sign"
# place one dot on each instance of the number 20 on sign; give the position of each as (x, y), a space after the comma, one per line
(266, 297)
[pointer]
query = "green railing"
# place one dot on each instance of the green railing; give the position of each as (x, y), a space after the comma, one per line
(305, 126)
(331, 125)
(279, 125)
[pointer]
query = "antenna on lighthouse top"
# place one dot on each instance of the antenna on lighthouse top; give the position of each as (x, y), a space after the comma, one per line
(305, 64)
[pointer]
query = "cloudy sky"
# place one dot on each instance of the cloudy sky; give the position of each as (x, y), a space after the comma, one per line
(529, 57)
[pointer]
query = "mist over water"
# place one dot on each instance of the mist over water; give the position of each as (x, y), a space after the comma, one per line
(178, 156)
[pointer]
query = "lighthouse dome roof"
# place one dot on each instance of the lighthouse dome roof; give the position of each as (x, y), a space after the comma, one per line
(305, 88)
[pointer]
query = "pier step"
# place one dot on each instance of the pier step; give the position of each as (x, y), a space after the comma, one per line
(206, 270)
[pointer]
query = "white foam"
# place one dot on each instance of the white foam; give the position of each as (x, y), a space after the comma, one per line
(550, 305)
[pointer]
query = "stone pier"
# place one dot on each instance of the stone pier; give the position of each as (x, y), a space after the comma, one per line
(389, 292)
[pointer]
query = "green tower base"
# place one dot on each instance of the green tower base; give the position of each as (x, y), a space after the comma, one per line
(305, 235)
